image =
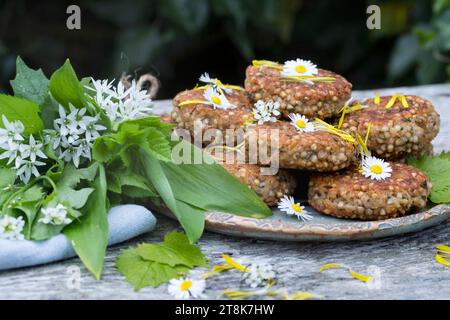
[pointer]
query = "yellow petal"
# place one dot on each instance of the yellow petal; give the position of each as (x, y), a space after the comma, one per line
(361, 277)
(341, 120)
(187, 102)
(376, 100)
(234, 263)
(441, 260)
(267, 63)
(344, 135)
(443, 248)
(404, 101)
(391, 101)
(300, 296)
(330, 266)
(367, 134)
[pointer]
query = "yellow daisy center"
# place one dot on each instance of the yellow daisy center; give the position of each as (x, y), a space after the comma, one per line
(216, 100)
(300, 124)
(186, 285)
(376, 169)
(296, 207)
(300, 69)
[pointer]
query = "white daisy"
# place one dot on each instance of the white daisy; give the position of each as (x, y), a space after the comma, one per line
(11, 228)
(375, 168)
(185, 288)
(214, 82)
(301, 123)
(290, 207)
(299, 67)
(217, 99)
(266, 112)
(55, 215)
(258, 274)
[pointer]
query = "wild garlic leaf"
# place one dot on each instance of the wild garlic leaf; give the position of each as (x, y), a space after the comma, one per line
(437, 168)
(29, 203)
(66, 88)
(141, 273)
(74, 198)
(89, 234)
(29, 84)
(26, 111)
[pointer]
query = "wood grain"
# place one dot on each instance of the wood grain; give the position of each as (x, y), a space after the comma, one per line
(405, 264)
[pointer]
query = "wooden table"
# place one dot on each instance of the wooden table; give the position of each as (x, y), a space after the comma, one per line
(404, 265)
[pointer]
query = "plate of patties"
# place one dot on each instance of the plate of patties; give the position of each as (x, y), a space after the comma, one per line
(341, 172)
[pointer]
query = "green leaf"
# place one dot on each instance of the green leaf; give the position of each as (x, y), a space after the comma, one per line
(178, 242)
(29, 203)
(141, 273)
(74, 198)
(89, 235)
(72, 176)
(211, 187)
(191, 219)
(23, 110)
(49, 111)
(29, 84)
(7, 178)
(437, 168)
(66, 88)
(175, 250)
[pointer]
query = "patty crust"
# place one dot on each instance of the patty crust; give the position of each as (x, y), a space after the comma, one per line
(397, 132)
(320, 100)
(349, 194)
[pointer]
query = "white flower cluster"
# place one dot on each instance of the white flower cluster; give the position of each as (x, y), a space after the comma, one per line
(119, 103)
(74, 134)
(258, 274)
(25, 156)
(11, 228)
(55, 215)
(266, 111)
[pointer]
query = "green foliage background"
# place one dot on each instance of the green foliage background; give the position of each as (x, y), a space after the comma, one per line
(179, 39)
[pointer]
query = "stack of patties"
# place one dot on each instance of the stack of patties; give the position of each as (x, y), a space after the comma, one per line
(286, 112)
(394, 128)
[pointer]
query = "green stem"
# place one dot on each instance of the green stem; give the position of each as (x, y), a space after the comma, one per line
(26, 187)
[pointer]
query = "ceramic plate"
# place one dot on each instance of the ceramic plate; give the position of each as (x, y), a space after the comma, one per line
(321, 227)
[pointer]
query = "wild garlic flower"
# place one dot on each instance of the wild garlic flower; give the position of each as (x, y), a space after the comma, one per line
(185, 288)
(376, 168)
(258, 274)
(121, 104)
(24, 155)
(74, 134)
(55, 215)
(288, 205)
(12, 133)
(266, 111)
(11, 228)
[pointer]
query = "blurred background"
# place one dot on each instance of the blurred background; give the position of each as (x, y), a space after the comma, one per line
(177, 40)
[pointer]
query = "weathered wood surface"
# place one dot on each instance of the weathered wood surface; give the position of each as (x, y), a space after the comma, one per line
(404, 265)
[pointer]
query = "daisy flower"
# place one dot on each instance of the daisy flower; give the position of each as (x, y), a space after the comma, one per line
(55, 215)
(11, 228)
(301, 123)
(214, 83)
(266, 111)
(258, 274)
(185, 288)
(375, 168)
(299, 67)
(290, 207)
(216, 99)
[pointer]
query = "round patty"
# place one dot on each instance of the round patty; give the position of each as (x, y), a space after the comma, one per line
(196, 116)
(270, 188)
(318, 150)
(348, 194)
(398, 131)
(321, 100)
